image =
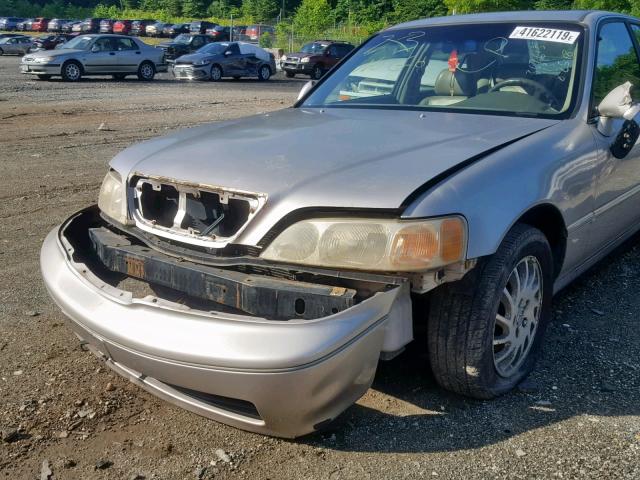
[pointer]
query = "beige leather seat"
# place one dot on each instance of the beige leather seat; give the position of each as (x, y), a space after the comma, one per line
(451, 87)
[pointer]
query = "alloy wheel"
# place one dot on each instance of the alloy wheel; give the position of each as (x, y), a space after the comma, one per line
(518, 316)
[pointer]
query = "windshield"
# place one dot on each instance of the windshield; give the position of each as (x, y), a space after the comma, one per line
(182, 38)
(213, 48)
(5, 39)
(314, 47)
(502, 68)
(78, 43)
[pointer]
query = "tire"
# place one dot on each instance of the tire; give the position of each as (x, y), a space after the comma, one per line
(317, 72)
(1, 52)
(146, 71)
(71, 71)
(289, 74)
(44, 77)
(264, 73)
(469, 319)
(118, 76)
(216, 73)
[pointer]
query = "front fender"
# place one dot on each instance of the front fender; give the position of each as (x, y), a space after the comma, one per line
(555, 166)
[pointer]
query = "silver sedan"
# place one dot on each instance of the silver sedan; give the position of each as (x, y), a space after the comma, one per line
(447, 177)
(114, 55)
(17, 45)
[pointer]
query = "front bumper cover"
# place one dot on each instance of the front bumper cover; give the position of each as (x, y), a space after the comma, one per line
(283, 378)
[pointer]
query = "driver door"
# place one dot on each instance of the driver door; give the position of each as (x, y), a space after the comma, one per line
(101, 57)
(234, 61)
(617, 201)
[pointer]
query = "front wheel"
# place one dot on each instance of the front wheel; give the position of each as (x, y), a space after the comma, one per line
(1, 52)
(485, 331)
(71, 71)
(264, 73)
(317, 72)
(289, 74)
(216, 73)
(146, 71)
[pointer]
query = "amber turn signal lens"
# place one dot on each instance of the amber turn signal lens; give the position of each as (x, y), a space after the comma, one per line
(451, 240)
(414, 244)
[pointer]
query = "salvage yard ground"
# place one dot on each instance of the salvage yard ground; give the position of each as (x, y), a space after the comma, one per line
(62, 411)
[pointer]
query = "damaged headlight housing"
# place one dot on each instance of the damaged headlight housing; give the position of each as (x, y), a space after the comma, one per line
(372, 244)
(112, 200)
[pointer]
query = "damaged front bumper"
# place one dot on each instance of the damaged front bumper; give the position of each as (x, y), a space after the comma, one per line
(272, 371)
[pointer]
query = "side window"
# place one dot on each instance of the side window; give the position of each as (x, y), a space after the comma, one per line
(616, 61)
(235, 50)
(197, 42)
(636, 31)
(103, 45)
(344, 50)
(125, 44)
(333, 51)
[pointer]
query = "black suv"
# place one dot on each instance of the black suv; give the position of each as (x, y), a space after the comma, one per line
(315, 58)
(201, 27)
(183, 44)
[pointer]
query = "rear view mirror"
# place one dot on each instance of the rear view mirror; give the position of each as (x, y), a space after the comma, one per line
(305, 89)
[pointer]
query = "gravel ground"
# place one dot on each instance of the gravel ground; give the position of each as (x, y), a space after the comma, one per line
(63, 415)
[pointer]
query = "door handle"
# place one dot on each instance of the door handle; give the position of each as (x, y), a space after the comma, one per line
(137, 53)
(112, 53)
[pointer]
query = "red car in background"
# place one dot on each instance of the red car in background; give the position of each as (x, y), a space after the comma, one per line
(40, 24)
(123, 27)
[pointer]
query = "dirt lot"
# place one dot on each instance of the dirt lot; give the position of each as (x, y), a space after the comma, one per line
(578, 416)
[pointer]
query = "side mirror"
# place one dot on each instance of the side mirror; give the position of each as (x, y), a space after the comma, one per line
(227, 53)
(618, 105)
(95, 49)
(305, 89)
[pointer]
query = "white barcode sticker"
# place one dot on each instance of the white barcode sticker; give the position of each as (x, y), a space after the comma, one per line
(545, 34)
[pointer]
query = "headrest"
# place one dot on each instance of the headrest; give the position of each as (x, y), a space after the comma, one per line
(455, 84)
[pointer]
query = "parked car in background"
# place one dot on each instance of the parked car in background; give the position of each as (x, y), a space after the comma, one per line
(24, 25)
(55, 25)
(254, 32)
(219, 33)
(40, 24)
(139, 27)
(106, 25)
(90, 25)
(200, 26)
(49, 42)
(176, 29)
(156, 29)
(225, 59)
(9, 24)
(86, 55)
(122, 27)
(18, 45)
(67, 27)
(315, 58)
(239, 33)
(183, 44)
(76, 27)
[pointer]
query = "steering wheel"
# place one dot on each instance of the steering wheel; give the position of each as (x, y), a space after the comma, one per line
(539, 90)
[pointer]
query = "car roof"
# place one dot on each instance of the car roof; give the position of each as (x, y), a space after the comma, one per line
(586, 17)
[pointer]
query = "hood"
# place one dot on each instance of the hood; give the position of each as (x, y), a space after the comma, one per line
(354, 158)
(299, 55)
(55, 52)
(193, 57)
(175, 45)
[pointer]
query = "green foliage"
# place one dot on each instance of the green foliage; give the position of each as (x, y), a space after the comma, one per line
(312, 17)
(473, 6)
(260, 11)
(266, 40)
(194, 8)
(405, 10)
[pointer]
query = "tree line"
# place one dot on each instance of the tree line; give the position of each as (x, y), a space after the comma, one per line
(305, 17)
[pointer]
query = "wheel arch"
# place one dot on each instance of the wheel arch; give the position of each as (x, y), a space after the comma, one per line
(547, 218)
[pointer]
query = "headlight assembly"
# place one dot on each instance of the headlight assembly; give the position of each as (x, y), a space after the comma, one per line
(43, 59)
(372, 244)
(199, 63)
(304, 60)
(112, 200)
